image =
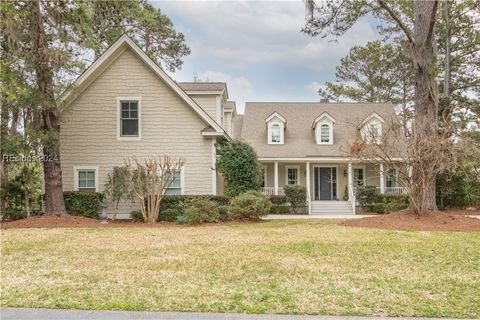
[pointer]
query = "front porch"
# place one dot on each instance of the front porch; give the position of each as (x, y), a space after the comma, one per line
(330, 185)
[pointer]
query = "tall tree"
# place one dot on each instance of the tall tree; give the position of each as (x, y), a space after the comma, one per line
(44, 44)
(336, 17)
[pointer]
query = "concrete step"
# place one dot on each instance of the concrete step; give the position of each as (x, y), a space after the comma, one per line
(331, 208)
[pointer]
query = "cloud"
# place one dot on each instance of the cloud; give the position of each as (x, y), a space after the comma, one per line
(242, 33)
(239, 88)
(313, 87)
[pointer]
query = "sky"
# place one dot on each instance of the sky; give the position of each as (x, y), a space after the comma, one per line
(257, 48)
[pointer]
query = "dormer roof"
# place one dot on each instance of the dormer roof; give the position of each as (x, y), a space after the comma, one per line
(322, 116)
(371, 116)
(276, 115)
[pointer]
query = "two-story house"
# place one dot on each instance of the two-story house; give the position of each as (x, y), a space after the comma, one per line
(124, 105)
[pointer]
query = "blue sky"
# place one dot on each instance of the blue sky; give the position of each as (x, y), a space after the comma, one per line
(258, 49)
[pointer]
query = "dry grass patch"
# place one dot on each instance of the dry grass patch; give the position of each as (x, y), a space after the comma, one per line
(315, 267)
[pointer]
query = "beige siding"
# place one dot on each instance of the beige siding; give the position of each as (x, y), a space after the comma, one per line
(168, 126)
(207, 103)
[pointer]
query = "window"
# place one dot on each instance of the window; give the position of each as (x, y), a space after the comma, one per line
(390, 178)
(175, 187)
(86, 178)
(358, 177)
(373, 133)
(275, 133)
(292, 175)
(129, 119)
(325, 133)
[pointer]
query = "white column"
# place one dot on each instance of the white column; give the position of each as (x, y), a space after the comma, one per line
(382, 180)
(214, 168)
(276, 178)
(350, 180)
(307, 186)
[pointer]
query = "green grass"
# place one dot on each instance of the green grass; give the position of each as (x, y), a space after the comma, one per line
(314, 267)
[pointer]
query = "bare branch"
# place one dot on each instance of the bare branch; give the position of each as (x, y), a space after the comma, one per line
(408, 32)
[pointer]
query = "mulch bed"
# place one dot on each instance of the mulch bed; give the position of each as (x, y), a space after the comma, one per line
(69, 221)
(455, 220)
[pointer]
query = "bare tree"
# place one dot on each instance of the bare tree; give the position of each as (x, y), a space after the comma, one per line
(150, 179)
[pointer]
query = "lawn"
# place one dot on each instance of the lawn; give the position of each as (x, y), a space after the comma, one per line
(314, 267)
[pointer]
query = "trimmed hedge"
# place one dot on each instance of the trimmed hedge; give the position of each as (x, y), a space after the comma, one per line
(296, 196)
(250, 205)
(280, 209)
(80, 203)
(199, 210)
(179, 201)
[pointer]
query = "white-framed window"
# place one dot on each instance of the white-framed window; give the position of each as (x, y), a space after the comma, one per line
(129, 118)
(292, 175)
(323, 126)
(85, 178)
(176, 186)
(324, 133)
(391, 178)
(358, 177)
(275, 133)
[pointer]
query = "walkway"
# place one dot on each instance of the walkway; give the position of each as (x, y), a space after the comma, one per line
(316, 216)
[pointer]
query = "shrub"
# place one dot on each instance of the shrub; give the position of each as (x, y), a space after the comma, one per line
(366, 195)
(180, 201)
(251, 205)
(280, 209)
(237, 162)
(81, 203)
(182, 219)
(170, 214)
(379, 208)
(12, 214)
(136, 215)
(224, 213)
(393, 198)
(296, 195)
(278, 199)
(200, 211)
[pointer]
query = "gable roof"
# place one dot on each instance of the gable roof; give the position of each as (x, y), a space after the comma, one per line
(320, 117)
(113, 52)
(275, 114)
(370, 117)
(299, 137)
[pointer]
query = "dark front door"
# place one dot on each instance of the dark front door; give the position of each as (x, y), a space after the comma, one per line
(325, 183)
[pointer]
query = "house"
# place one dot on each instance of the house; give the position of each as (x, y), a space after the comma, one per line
(124, 105)
(309, 144)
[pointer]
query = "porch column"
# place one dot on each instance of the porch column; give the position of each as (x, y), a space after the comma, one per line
(382, 180)
(275, 185)
(307, 187)
(350, 181)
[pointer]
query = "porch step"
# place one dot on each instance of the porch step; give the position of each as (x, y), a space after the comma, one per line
(331, 208)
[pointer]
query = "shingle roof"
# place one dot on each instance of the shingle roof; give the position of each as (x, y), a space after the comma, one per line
(229, 105)
(237, 125)
(203, 86)
(299, 135)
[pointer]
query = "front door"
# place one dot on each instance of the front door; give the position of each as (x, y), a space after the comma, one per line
(325, 183)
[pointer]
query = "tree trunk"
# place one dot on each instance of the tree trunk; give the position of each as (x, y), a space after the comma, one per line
(54, 204)
(426, 89)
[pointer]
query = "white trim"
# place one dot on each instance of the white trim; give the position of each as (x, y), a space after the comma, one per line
(336, 178)
(80, 168)
(370, 117)
(320, 117)
(212, 134)
(200, 92)
(298, 173)
(331, 159)
(182, 180)
(269, 132)
(275, 178)
(214, 168)
(364, 168)
(218, 110)
(119, 45)
(275, 114)
(308, 189)
(382, 180)
(119, 113)
(318, 132)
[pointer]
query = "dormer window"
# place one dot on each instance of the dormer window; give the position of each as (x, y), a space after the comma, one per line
(275, 133)
(371, 129)
(275, 128)
(323, 126)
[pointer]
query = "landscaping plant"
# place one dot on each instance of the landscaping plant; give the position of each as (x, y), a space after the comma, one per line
(296, 196)
(237, 162)
(199, 211)
(250, 205)
(118, 188)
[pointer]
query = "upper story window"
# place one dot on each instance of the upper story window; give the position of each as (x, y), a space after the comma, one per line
(323, 126)
(129, 118)
(275, 133)
(371, 129)
(275, 128)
